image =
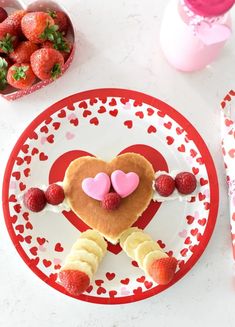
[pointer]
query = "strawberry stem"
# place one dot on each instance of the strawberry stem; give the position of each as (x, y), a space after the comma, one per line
(49, 32)
(6, 44)
(20, 72)
(56, 71)
(3, 74)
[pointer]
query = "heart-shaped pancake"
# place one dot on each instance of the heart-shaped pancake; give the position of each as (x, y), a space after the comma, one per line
(109, 223)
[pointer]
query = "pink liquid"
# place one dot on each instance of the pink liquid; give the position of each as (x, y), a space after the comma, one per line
(182, 48)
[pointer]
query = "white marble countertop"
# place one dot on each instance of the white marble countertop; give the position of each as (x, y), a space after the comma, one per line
(119, 47)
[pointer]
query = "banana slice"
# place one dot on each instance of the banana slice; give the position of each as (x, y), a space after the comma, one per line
(152, 256)
(84, 256)
(133, 241)
(143, 249)
(89, 246)
(127, 233)
(96, 237)
(79, 265)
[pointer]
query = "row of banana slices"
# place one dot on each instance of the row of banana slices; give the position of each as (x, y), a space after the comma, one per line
(86, 253)
(141, 248)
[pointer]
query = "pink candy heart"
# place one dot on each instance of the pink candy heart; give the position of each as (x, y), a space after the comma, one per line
(97, 187)
(215, 33)
(124, 184)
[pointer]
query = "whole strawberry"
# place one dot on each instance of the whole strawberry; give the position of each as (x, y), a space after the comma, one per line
(8, 38)
(47, 63)
(3, 73)
(165, 185)
(60, 19)
(23, 52)
(21, 76)
(64, 49)
(38, 27)
(14, 20)
(3, 14)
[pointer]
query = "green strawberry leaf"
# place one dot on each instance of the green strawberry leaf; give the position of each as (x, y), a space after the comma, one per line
(6, 43)
(52, 13)
(3, 74)
(49, 32)
(60, 42)
(56, 71)
(20, 72)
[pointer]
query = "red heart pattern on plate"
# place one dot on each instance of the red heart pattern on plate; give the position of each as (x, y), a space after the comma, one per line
(42, 240)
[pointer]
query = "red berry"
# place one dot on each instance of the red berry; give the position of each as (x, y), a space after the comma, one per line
(74, 281)
(165, 185)
(8, 37)
(34, 199)
(163, 270)
(47, 63)
(21, 76)
(54, 194)
(15, 20)
(185, 183)
(60, 19)
(23, 52)
(38, 26)
(66, 45)
(3, 14)
(111, 201)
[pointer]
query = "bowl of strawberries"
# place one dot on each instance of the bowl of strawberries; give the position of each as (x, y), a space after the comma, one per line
(37, 45)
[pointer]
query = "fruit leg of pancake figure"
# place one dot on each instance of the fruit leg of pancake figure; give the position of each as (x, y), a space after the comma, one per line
(82, 262)
(149, 256)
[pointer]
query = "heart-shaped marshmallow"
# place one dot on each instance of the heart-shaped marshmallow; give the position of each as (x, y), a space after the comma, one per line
(124, 184)
(97, 187)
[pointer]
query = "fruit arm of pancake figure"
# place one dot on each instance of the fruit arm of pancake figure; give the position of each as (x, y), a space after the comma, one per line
(82, 262)
(155, 263)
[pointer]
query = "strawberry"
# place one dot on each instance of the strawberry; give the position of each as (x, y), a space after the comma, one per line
(3, 14)
(165, 185)
(38, 27)
(3, 73)
(14, 20)
(185, 183)
(64, 48)
(54, 194)
(60, 19)
(47, 63)
(34, 199)
(23, 52)
(111, 201)
(8, 38)
(74, 281)
(163, 270)
(21, 76)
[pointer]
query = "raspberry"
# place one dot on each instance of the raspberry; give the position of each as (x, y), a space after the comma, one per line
(74, 281)
(54, 194)
(185, 183)
(162, 270)
(165, 185)
(111, 201)
(34, 199)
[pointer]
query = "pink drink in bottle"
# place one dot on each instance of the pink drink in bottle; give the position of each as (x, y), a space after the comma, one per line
(193, 32)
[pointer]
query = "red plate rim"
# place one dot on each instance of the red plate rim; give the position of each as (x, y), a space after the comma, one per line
(151, 101)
